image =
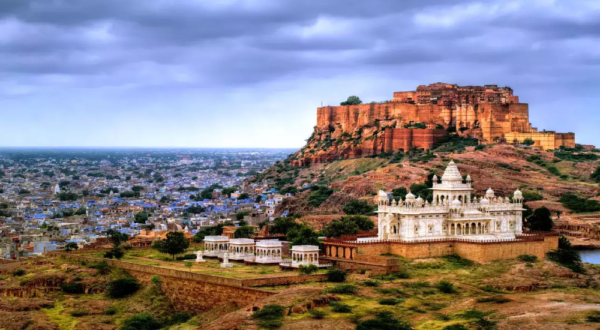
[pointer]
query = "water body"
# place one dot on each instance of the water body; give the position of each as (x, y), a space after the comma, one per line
(590, 256)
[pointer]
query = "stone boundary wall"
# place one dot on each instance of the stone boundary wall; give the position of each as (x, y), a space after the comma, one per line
(189, 291)
(284, 280)
(375, 268)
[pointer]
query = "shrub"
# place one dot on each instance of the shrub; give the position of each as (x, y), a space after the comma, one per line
(142, 321)
(270, 316)
(308, 269)
(110, 311)
(489, 288)
(497, 300)
(78, 313)
(446, 287)
(177, 319)
(270, 324)
(455, 327)
(18, 272)
(317, 314)
(594, 318)
(383, 320)
(343, 289)
(186, 257)
(457, 261)
(341, 308)
(529, 196)
(74, 288)
(102, 267)
(336, 275)
(371, 283)
(485, 324)
(527, 258)
(388, 301)
(417, 284)
(122, 287)
(156, 280)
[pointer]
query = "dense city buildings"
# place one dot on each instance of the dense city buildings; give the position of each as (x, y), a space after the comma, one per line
(52, 197)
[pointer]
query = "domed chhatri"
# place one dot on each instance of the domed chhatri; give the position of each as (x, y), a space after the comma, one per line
(453, 213)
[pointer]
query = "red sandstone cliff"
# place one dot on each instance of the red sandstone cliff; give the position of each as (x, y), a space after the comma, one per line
(487, 113)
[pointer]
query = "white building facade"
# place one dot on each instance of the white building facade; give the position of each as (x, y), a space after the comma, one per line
(453, 213)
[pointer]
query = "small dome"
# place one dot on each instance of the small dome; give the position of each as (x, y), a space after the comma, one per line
(489, 193)
(382, 194)
(456, 203)
(410, 197)
(469, 178)
(435, 178)
(485, 201)
(518, 194)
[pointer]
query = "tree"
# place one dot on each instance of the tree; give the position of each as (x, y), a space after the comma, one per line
(359, 207)
(244, 196)
(189, 265)
(340, 227)
(194, 209)
(302, 235)
(244, 232)
(165, 199)
(174, 244)
(141, 217)
(71, 246)
(85, 192)
(528, 142)
(283, 225)
(240, 215)
(400, 193)
(348, 225)
(596, 175)
(352, 100)
(81, 211)
(116, 237)
(67, 196)
(541, 219)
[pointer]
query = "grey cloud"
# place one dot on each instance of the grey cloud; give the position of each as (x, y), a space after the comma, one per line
(198, 42)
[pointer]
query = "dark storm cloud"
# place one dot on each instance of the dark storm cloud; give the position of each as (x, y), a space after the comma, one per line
(116, 42)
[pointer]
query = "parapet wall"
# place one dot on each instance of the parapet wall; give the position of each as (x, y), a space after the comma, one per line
(481, 252)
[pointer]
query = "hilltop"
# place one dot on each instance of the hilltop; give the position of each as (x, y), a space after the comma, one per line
(543, 176)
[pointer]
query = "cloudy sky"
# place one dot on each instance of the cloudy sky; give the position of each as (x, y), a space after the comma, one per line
(235, 73)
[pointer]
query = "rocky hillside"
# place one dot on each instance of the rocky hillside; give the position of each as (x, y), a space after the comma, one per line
(544, 176)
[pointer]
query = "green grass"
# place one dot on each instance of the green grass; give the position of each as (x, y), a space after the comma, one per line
(55, 315)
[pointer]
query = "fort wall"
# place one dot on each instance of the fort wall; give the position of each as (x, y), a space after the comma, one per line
(491, 113)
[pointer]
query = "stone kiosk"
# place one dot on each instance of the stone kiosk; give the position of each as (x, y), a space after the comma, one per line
(241, 248)
(268, 252)
(304, 255)
(215, 246)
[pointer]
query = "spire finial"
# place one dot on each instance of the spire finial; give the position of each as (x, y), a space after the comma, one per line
(452, 156)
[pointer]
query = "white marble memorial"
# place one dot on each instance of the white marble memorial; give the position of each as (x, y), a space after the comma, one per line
(268, 251)
(241, 248)
(215, 246)
(199, 256)
(226, 263)
(454, 213)
(305, 255)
